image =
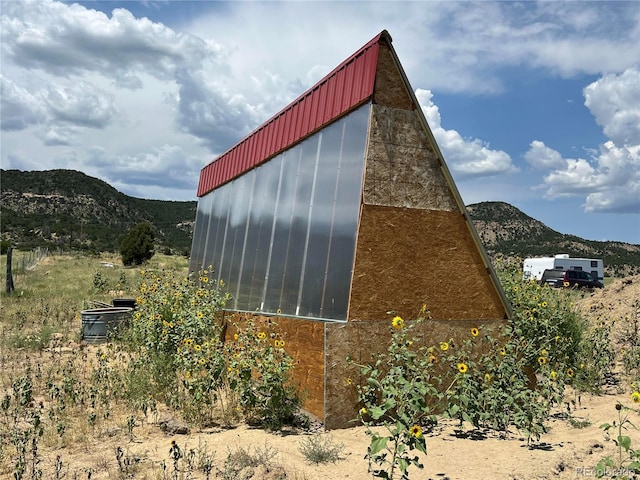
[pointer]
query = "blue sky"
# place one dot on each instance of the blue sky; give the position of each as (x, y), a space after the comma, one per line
(533, 103)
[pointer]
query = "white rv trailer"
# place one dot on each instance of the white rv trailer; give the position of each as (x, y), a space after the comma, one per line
(534, 267)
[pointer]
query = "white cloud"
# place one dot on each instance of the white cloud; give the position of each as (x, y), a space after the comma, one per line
(81, 105)
(614, 100)
(465, 157)
(19, 108)
(609, 181)
(540, 156)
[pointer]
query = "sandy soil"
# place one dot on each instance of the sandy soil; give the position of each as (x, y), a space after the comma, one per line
(566, 452)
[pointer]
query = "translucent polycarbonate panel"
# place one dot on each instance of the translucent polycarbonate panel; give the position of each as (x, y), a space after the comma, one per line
(298, 224)
(200, 231)
(283, 235)
(344, 223)
(320, 225)
(220, 211)
(267, 194)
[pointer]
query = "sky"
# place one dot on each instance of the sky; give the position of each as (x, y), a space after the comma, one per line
(536, 104)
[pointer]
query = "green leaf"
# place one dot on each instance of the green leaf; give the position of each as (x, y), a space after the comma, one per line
(403, 464)
(376, 412)
(625, 442)
(634, 467)
(377, 444)
(421, 445)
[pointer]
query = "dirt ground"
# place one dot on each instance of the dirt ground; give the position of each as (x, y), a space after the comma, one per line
(566, 452)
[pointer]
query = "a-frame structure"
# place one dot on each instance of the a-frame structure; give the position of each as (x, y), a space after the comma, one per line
(336, 211)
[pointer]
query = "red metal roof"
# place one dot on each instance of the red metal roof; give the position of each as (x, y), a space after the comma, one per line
(347, 86)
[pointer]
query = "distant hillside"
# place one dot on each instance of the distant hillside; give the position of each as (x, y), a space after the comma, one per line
(506, 230)
(68, 209)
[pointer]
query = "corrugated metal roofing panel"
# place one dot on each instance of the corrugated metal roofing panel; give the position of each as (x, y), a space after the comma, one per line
(345, 87)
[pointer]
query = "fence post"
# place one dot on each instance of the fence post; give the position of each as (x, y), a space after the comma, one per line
(10, 286)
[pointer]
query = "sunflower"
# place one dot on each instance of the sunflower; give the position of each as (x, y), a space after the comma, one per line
(475, 332)
(363, 411)
(397, 322)
(462, 367)
(554, 375)
(416, 431)
(487, 377)
(444, 346)
(503, 351)
(635, 397)
(433, 359)
(262, 335)
(542, 360)
(570, 372)
(200, 315)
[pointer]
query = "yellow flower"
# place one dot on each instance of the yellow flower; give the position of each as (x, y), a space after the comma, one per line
(187, 375)
(554, 375)
(203, 361)
(444, 346)
(515, 289)
(433, 359)
(523, 343)
(235, 336)
(462, 367)
(570, 372)
(635, 397)
(416, 431)
(487, 377)
(197, 348)
(503, 351)
(205, 279)
(363, 411)
(279, 343)
(142, 272)
(200, 315)
(348, 381)
(544, 304)
(262, 335)
(543, 352)
(397, 322)
(565, 284)
(542, 360)
(475, 331)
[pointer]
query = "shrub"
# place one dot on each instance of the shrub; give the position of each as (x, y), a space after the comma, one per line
(176, 335)
(259, 372)
(137, 245)
(395, 395)
(320, 449)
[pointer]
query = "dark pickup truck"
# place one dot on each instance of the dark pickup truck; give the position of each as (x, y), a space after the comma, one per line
(569, 278)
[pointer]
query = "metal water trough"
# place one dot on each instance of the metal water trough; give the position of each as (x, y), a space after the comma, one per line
(99, 324)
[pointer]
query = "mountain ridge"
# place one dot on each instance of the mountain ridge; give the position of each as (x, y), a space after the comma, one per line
(71, 210)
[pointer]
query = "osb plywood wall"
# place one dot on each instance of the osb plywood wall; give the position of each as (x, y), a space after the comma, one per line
(304, 342)
(402, 169)
(409, 257)
(353, 343)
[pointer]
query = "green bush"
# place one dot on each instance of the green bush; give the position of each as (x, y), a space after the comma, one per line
(137, 245)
